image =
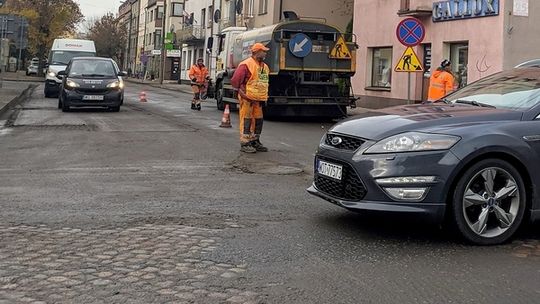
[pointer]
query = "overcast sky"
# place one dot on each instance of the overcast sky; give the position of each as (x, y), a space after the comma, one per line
(92, 8)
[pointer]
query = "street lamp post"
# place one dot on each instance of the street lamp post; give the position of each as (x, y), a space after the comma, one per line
(163, 48)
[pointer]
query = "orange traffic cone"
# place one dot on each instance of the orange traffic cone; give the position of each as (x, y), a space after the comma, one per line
(142, 96)
(226, 120)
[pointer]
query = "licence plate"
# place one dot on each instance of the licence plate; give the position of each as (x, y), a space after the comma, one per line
(331, 170)
(93, 97)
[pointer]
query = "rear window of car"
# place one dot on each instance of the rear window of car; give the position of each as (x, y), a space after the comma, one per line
(92, 68)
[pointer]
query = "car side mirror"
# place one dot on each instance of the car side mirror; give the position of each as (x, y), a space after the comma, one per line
(61, 74)
(122, 74)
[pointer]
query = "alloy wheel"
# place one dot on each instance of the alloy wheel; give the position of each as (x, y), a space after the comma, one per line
(491, 202)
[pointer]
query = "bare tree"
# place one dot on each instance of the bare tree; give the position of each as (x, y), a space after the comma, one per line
(109, 36)
(48, 19)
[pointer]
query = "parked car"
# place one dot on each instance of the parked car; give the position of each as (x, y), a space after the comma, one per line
(474, 156)
(91, 82)
(32, 69)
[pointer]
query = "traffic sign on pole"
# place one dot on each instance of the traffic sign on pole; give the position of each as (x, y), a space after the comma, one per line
(410, 32)
(409, 62)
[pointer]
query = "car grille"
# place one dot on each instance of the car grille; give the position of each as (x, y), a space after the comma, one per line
(348, 143)
(349, 188)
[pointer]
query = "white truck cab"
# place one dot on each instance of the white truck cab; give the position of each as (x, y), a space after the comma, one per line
(62, 51)
(228, 35)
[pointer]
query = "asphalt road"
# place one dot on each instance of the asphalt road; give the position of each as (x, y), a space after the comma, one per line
(155, 204)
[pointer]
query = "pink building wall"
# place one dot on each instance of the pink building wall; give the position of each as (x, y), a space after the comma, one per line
(375, 26)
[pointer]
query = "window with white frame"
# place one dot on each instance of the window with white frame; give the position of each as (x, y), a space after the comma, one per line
(381, 68)
(177, 9)
(251, 8)
(203, 18)
(210, 15)
(263, 7)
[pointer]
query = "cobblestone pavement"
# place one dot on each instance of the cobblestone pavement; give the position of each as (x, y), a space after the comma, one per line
(145, 264)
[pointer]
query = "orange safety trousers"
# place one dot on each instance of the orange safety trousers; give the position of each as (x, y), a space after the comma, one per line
(251, 120)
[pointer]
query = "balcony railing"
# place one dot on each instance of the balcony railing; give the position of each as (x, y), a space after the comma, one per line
(416, 8)
(191, 34)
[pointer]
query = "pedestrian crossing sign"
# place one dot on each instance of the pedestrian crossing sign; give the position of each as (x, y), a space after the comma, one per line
(409, 62)
(340, 50)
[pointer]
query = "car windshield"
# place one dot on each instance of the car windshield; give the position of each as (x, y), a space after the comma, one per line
(92, 68)
(518, 89)
(63, 57)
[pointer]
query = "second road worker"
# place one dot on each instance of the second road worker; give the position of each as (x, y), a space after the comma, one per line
(441, 82)
(199, 76)
(251, 80)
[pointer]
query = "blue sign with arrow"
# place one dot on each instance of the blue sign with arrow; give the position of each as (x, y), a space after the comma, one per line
(300, 45)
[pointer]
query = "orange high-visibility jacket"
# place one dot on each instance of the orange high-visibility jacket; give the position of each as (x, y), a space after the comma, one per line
(441, 83)
(257, 85)
(197, 73)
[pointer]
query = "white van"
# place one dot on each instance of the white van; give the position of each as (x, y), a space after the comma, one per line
(62, 51)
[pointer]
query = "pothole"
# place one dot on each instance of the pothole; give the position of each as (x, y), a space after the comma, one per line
(268, 168)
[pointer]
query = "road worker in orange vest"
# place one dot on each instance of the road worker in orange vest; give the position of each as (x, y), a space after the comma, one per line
(199, 76)
(251, 80)
(441, 82)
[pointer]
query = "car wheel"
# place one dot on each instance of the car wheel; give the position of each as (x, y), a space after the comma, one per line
(115, 109)
(219, 96)
(489, 202)
(65, 107)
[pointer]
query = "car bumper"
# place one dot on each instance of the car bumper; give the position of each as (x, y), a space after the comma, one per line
(112, 98)
(366, 193)
(434, 212)
(52, 85)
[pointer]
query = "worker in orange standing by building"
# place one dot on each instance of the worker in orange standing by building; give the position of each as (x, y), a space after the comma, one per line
(199, 76)
(441, 82)
(251, 80)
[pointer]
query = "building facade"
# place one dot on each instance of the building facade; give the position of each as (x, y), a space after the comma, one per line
(13, 42)
(192, 22)
(198, 26)
(260, 13)
(479, 37)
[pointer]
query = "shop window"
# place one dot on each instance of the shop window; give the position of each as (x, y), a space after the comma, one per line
(459, 56)
(381, 68)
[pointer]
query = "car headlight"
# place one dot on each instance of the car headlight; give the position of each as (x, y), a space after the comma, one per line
(116, 84)
(51, 74)
(72, 84)
(413, 141)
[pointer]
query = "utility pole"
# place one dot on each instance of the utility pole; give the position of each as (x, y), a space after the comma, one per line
(23, 24)
(163, 48)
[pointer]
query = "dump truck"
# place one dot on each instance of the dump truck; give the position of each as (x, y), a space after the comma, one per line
(311, 64)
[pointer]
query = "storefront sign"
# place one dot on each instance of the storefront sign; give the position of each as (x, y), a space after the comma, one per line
(464, 9)
(174, 53)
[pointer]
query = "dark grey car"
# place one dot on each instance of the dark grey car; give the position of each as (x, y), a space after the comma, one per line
(474, 156)
(91, 82)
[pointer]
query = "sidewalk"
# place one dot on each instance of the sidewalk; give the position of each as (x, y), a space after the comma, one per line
(167, 85)
(20, 76)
